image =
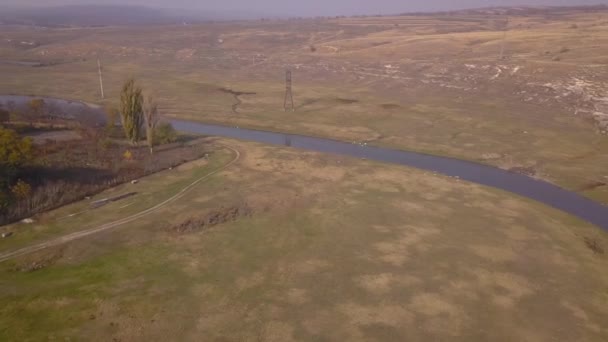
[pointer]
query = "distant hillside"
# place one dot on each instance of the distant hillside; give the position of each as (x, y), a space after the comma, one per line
(519, 10)
(107, 15)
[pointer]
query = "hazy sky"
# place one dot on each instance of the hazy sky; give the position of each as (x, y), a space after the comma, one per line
(314, 7)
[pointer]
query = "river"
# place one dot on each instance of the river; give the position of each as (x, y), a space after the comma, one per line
(519, 184)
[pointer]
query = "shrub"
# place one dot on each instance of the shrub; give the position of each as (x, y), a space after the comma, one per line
(112, 115)
(115, 132)
(5, 200)
(14, 152)
(127, 155)
(105, 143)
(313, 48)
(36, 107)
(165, 133)
(21, 190)
(594, 245)
(4, 116)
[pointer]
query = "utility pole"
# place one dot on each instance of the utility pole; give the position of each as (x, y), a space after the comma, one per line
(504, 38)
(288, 93)
(100, 78)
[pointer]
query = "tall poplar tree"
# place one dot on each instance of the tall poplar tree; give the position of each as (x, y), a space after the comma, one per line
(131, 110)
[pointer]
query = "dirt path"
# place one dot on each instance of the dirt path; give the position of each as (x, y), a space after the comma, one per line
(81, 234)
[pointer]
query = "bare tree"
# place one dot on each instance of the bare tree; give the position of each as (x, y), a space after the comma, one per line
(151, 118)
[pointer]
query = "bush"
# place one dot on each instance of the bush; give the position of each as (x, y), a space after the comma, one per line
(105, 143)
(4, 116)
(14, 152)
(128, 155)
(313, 48)
(165, 133)
(21, 190)
(112, 116)
(5, 200)
(115, 132)
(36, 109)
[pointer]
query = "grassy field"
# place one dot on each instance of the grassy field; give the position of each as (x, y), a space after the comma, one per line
(329, 249)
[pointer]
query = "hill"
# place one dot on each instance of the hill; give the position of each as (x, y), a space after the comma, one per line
(107, 15)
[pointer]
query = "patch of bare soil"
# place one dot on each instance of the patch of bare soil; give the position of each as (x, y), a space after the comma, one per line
(594, 245)
(592, 186)
(346, 101)
(105, 201)
(193, 165)
(528, 171)
(214, 218)
(389, 106)
(40, 261)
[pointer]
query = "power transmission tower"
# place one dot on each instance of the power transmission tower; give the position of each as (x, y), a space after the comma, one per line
(288, 93)
(100, 78)
(504, 38)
